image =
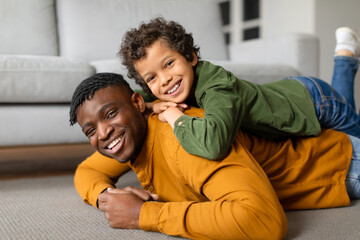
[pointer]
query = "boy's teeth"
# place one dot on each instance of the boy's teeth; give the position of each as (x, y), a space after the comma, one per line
(113, 143)
(174, 88)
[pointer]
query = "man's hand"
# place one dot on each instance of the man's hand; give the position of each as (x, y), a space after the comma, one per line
(122, 206)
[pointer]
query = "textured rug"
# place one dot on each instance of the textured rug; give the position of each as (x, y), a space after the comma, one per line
(50, 208)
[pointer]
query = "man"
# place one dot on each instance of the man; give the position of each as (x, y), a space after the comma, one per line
(196, 198)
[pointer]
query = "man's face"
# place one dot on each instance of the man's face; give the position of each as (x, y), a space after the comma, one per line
(166, 72)
(113, 122)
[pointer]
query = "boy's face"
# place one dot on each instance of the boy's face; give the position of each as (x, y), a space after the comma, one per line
(113, 122)
(167, 73)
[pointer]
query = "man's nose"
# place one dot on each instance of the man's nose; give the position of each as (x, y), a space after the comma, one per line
(104, 131)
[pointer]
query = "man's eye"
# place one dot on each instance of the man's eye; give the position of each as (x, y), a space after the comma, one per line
(90, 132)
(111, 114)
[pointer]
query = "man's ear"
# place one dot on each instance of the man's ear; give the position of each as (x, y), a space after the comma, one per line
(195, 60)
(138, 101)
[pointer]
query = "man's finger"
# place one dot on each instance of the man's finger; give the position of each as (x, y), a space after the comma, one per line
(116, 190)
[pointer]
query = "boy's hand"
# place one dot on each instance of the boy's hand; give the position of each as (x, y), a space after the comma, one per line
(171, 114)
(159, 107)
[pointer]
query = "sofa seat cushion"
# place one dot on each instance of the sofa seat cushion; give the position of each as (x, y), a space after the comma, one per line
(28, 27)
(36, 79)
(94, 30)
(38, 124)
(258, 73)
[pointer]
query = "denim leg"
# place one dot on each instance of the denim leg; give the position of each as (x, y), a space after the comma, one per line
(352, 181)
(345, 69)
(331, 107)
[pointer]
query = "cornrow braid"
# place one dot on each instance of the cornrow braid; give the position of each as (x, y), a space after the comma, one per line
(87, 88)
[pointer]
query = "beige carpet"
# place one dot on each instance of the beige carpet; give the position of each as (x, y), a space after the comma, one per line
(49, 208)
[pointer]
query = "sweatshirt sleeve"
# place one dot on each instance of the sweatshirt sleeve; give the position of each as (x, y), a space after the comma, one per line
(95, 174)
(239, 203)
(211, 136)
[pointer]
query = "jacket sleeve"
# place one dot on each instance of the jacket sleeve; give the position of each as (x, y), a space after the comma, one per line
(95, 174)
(239, 203)
(211, 136)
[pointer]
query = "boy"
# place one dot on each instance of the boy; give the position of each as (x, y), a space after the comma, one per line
(162, 58)
(198, 198)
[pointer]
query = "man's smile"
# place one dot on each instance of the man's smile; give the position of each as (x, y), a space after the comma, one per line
(115, 144)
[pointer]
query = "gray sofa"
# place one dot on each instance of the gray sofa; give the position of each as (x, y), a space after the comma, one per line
(48, 46)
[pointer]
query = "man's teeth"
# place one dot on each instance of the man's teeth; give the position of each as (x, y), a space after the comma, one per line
(174, 88)
(113, 143)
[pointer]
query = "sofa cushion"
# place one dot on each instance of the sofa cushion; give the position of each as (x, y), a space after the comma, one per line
(38, 124)
(28, 27)
(33, 79)
(258, 73)
(94, 30)
(114, 66)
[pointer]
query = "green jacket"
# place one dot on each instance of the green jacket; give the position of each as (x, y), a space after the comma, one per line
(274, 111)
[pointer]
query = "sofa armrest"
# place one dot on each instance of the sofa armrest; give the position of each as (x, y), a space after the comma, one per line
(300, 51)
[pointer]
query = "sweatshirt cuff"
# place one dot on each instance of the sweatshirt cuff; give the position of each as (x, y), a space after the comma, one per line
(97, 191)
(180, 123)
(149, 216)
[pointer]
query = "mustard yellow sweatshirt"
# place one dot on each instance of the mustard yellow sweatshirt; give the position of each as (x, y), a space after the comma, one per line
(235, 198)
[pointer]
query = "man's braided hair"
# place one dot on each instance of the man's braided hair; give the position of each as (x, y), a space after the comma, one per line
(87, 88)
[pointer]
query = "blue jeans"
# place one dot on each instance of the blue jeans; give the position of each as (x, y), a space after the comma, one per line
(331, 107)
(352, 181)
(345, 69)
(335, 108)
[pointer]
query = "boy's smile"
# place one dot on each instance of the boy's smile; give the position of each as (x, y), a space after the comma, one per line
(112, 120)
(167, 73)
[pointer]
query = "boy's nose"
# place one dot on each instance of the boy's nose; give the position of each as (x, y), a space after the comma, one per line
(165, 79)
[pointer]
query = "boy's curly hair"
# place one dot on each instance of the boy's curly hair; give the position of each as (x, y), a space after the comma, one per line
(136, 41)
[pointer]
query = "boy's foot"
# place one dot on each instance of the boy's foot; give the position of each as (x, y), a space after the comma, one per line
(346, 39)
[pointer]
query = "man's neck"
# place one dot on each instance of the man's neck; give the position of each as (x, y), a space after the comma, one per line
(147, 113)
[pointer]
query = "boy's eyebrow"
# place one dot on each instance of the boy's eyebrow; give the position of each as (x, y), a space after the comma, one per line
(100, 112)
(162, 60)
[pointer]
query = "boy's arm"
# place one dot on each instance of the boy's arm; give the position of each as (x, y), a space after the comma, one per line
(241, 203)
(211, 136)
(95, 174)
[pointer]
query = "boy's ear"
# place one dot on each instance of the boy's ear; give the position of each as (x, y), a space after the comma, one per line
(195, 60)
(138, 101)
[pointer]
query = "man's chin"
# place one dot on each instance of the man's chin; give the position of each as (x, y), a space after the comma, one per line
(119, 159)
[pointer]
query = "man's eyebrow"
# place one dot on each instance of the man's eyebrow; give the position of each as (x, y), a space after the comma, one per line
(100, 112)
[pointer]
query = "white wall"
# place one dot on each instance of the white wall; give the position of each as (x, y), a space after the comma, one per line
(280, 17)
(331, 14)
(319, 17)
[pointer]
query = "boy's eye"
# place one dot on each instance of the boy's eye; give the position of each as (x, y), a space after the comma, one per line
(150, 78)
(168, 64)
